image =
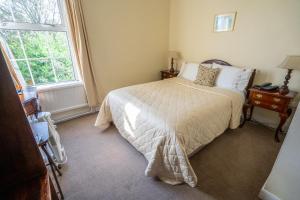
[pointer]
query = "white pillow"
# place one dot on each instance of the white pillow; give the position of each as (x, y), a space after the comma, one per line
(228, 77)
(189, 71)
(244, 79)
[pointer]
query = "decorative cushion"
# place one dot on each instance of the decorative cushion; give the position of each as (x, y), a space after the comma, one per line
(206, 76)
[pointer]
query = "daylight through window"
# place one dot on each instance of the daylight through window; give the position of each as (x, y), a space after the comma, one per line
(35, 33)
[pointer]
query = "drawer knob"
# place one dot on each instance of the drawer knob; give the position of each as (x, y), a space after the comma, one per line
(257, 102)
(276, 99)
(259, 95)
(274, 106)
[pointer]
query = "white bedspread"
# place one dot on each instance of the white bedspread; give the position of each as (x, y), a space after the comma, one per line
(169, 120)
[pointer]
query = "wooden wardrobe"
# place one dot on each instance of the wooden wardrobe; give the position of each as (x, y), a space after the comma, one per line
(23, 174)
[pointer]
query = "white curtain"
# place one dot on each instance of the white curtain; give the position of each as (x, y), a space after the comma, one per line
(78, 34)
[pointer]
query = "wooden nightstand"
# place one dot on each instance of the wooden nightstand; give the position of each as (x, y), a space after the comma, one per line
(271, 101)
(167, 74)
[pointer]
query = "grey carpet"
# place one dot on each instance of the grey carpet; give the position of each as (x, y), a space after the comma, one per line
(103, 165)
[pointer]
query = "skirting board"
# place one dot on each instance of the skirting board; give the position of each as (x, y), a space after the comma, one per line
(266, 195)
(68, 109)
(270, 118)
(68, 114)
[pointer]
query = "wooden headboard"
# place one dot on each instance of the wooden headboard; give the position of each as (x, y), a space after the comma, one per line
(221, 62)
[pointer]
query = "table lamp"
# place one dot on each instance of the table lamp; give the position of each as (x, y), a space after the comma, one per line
(290, 63)
(174, 55)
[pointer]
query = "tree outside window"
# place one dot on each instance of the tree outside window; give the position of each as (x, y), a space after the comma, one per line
(36, 34)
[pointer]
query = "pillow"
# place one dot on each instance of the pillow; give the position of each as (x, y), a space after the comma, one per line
(244, 79)
(228, 77)
(206, 76)
(189, 71)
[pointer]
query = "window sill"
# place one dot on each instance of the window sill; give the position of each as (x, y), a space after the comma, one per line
(58, 86)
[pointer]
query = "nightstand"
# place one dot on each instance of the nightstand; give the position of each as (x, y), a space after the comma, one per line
(270, 101)
(167, 74)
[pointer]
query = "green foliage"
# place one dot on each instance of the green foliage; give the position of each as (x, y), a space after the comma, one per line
(59, 44)
(24, 70)
(64, 69)
(12, 39)
(42, 71)
(40, 47)
(47, 53)
(35, 44)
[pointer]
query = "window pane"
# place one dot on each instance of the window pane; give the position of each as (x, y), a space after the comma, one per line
(36, 11)
(58, 43)
(35, 44)
(24, 71)
(40, 54)
(13, 41)
(64, 69)
(42, 71)
(5, 12)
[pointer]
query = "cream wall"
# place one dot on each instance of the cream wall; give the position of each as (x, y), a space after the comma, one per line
(265, 31)
(128, 39)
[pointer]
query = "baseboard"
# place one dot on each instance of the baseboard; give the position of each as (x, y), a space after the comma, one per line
(270, 118)
(72, 114)
(266, 195)
(73, 117)
(69, 109)
(265, 122)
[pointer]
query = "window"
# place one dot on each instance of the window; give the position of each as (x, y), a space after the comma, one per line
(36, 35)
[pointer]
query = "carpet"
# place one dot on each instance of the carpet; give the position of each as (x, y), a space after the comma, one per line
(103, 165)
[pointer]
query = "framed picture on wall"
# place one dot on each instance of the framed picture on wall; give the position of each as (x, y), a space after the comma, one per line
(224, 22)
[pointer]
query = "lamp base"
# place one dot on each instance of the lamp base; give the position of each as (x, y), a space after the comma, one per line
(172, 64)
(283, 90)
(172, 70)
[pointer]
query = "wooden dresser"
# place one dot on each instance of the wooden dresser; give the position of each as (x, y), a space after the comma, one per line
(23, 174)
(270, 101)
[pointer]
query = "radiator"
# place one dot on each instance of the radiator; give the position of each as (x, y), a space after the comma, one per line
(63, 101)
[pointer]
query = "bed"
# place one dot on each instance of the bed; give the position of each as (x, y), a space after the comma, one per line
(169, 120)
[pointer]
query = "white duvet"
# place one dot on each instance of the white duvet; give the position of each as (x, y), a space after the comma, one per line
(167, 121)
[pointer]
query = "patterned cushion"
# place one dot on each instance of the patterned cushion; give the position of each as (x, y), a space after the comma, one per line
(206, 76)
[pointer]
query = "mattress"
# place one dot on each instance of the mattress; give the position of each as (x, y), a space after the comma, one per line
(168, 120)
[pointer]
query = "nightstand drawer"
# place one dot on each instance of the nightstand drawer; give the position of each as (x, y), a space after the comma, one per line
(269, 98)
(267, 105)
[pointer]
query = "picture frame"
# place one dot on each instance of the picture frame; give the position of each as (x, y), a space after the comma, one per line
(224, 22)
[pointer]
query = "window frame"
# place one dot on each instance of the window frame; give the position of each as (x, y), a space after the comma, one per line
(62, 27)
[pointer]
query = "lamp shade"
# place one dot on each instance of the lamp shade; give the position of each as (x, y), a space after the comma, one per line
(174, 54)
(291, 62)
